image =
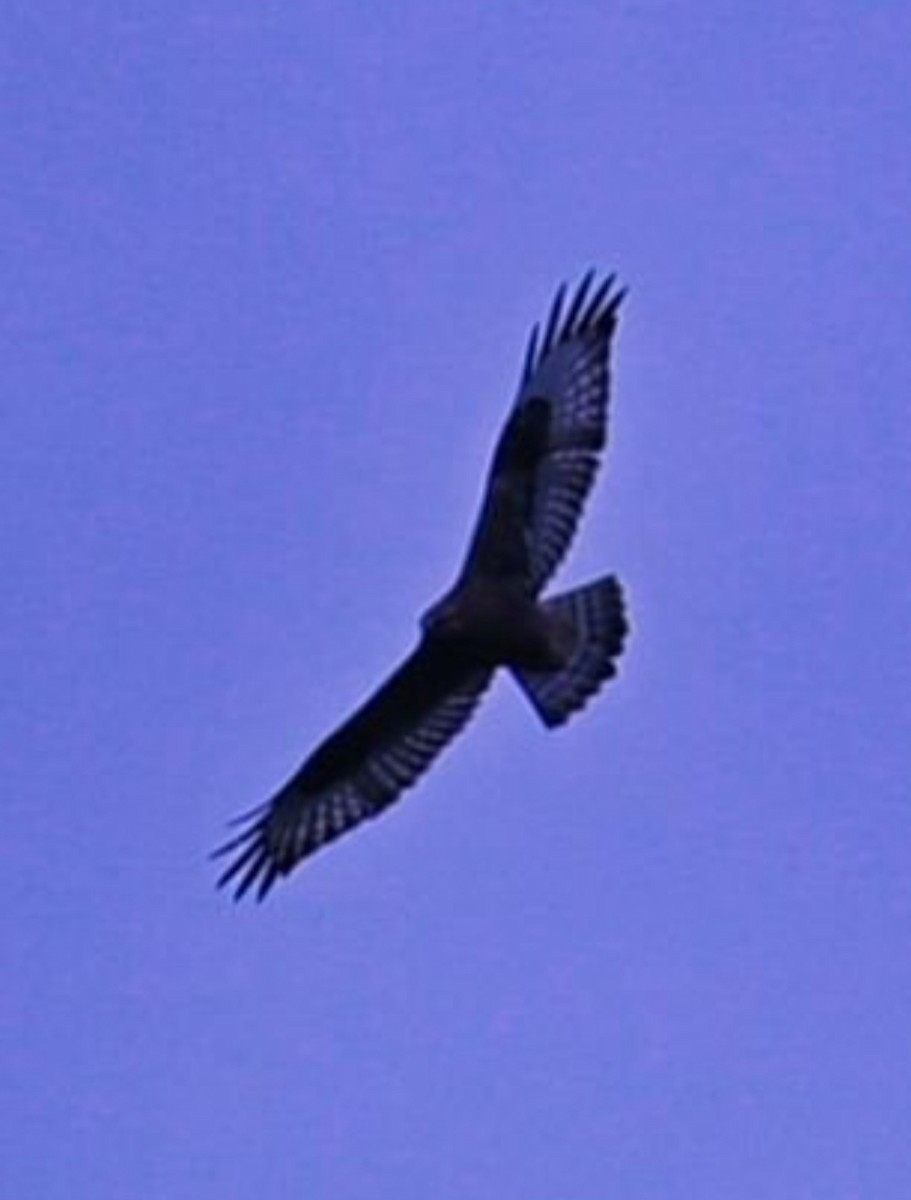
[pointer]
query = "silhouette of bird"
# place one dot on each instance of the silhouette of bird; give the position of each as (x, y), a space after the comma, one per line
(560, 650)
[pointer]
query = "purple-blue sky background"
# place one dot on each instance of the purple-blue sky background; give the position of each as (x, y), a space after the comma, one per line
(267, 272)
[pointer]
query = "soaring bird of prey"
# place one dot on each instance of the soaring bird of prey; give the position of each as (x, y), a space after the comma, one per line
(559, 650)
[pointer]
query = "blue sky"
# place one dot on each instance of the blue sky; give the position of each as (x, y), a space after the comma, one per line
(268, 271)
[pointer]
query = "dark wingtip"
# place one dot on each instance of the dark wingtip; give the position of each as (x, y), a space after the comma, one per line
(252, 861)
(617, 299)
(572, 316)
(602, 304)
(587, 311)
(531, 353)
(553, 320)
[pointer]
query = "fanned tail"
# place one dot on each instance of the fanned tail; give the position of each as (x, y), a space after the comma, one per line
(596, 616)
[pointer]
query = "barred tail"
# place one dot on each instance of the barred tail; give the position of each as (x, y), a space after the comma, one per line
(596, 617)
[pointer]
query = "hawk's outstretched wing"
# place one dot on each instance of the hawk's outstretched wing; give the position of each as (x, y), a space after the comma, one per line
(360, 769)
(547, 456)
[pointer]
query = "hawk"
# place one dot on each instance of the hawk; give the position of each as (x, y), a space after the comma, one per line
(560, 650)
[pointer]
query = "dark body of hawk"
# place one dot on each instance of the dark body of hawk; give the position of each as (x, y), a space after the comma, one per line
(560, 650)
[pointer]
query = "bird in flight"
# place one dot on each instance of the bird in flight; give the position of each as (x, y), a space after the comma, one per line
(560, 650)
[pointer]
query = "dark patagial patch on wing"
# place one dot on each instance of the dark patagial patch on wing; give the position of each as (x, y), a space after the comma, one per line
(525, 439)
(359, 770)
(500, 545)
(415, 688)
